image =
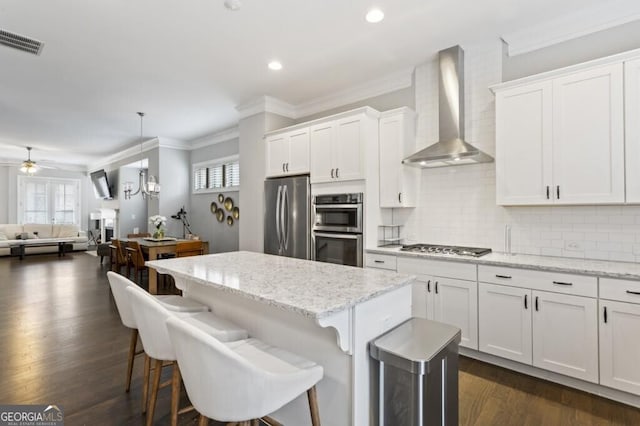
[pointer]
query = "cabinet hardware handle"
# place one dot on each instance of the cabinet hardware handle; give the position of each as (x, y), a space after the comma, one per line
(562, 283)
(337, 175)
(429, 286)
(547, 192)
(283, 167)
(508, 277)
(378, 261)
(605, 314)
(400, 197)
(537, 303)
(287, 166)
(331, 173)
(558, 191)
(436, 287)
(637, 293)
(525, 302)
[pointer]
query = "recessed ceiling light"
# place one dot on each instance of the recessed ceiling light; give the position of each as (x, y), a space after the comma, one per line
(275, 66)
(374, 16)
(232, 4)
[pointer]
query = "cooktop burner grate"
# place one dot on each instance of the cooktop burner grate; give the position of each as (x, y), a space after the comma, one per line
(441, 249)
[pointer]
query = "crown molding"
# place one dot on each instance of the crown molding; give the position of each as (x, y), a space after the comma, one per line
(173, 143)
(215, 138)
(390, 83)
(580, 23)
(266, 104)
(125, 154)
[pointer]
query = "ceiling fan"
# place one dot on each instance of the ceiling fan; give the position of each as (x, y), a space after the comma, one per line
(27, 166)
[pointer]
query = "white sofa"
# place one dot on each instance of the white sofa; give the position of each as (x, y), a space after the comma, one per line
(41, 233)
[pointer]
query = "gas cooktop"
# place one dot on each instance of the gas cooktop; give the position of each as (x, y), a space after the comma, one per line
(452, 250)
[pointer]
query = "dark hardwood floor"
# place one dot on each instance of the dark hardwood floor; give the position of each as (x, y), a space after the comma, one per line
(63, 343)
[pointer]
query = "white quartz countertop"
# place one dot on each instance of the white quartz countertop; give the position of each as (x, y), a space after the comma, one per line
(602, 268)
(313, 289)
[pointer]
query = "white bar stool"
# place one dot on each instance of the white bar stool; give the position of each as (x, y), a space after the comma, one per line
(119, 284)
(151, 317)
(240, 381)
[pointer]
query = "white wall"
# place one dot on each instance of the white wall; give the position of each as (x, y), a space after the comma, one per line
(252, 175)
(174, 177)
(457, 204)
(4, 194)
(221, 237)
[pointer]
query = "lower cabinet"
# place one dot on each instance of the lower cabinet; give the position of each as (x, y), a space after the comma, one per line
(553, 331)
(619, 335)
(445, 292)
(505, 321)
(565, 334)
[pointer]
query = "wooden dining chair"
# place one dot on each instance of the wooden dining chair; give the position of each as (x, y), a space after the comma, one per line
(135, 261)
(189, 248)
(139, 235)
(117, 256)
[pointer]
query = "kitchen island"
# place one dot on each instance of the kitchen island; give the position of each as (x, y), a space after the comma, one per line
(327, 313)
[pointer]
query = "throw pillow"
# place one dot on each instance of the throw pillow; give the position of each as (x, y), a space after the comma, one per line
(3, 237)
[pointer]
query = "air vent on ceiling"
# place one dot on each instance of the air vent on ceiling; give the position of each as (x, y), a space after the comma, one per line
(19, 42)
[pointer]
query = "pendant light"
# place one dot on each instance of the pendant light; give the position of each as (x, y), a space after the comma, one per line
(29, 166)
(148, 187)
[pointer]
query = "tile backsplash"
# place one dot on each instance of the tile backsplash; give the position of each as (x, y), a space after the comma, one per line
(457, 205)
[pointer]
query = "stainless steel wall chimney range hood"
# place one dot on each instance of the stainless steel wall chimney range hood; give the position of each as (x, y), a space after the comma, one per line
(451, 149)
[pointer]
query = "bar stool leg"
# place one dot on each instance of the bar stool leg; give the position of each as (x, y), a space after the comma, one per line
(203, 421)
(313, 406)
(154, 391)
(145, 385)
(132, 353)
(175, 393)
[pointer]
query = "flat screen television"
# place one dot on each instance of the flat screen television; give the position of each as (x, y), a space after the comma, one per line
(101, 185)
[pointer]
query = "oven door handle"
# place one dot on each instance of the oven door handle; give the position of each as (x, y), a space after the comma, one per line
(353, 206)
(339, 236)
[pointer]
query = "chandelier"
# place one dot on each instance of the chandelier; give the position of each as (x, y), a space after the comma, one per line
(149, 187)
(29, 166)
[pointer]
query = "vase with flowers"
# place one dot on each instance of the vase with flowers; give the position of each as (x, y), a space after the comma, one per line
(159, 222)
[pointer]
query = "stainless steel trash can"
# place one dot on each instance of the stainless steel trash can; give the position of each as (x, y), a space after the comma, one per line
(417, 374)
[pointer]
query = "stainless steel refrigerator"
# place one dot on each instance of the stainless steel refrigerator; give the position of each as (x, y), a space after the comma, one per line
(287, 224)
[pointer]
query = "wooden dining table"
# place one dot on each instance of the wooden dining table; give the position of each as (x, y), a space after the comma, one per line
(152, 249)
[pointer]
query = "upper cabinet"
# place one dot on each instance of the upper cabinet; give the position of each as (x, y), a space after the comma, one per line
(398, 182)
(337, 147)
(632, 129)
(560, 139)
(288, 153)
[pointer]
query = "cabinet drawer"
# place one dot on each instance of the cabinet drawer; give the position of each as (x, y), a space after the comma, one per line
(621, 290)
(437, 268)
(557, 282)
(381, 261)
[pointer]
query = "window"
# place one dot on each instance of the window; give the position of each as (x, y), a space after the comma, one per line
(45, 200)
(217, 174)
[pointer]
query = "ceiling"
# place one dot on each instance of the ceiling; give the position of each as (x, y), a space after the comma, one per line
(189, 63)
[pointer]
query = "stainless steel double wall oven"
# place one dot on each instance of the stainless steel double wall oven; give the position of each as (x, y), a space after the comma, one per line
(337, 229)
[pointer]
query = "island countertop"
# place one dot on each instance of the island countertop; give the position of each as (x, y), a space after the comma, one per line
(313, 289)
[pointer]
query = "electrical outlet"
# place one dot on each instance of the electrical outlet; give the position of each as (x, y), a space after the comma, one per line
(573, 246)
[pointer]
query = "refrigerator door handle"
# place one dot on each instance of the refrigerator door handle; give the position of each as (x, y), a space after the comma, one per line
(284, 215)
(278, 234)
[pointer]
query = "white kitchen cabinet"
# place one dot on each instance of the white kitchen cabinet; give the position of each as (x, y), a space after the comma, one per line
(504, 321)
(588, 136)
(561, 140)
(523, 148)
(545, 319)
(632, 129)
(288, 153)
(619, 318)
(398, 183)
(445, 292)
(337, 147)
(565, 334)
